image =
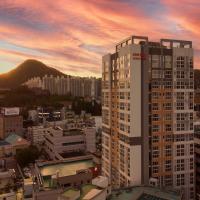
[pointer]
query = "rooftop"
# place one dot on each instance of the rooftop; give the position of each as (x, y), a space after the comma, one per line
(144, 193)
(86, 189)
(3, 143)
(71, 193)
(66, 168)
(15, 139)
(71, 132)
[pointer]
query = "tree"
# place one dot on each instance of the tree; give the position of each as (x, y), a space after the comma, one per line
(27, 155)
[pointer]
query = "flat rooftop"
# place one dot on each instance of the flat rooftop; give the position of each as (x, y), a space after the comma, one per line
(87, 191)
(65, 168)
(72, 132)
(4, 143)
(87, 188)
(71, 193)
(144, 193)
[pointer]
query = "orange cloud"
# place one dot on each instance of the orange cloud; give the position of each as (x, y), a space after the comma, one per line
(73, 35)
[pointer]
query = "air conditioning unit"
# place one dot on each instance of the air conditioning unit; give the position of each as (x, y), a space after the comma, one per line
(153, 182)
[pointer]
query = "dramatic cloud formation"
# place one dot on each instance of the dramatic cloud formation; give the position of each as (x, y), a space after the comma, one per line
(73, 35)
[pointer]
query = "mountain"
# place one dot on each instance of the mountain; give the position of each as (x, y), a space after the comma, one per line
(28, 69)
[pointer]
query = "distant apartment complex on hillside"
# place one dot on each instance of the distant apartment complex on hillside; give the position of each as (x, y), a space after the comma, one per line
(60, 85)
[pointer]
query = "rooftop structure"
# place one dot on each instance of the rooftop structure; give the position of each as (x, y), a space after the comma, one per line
(144, 193)
(60, 142)
(88, 191)
(73, 172)
(11, 144)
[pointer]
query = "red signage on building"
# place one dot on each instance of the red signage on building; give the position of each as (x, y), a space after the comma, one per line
(139, 56)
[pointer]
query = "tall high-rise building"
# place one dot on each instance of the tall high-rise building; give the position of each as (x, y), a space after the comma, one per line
(197, 157)
(147, 114)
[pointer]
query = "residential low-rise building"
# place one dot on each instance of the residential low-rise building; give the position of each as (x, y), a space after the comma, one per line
(60, 142)
(12, 143)
(96, 189)
(11, 122)
(72, 172)
(17, 142)
(35, 134)
(7, 184)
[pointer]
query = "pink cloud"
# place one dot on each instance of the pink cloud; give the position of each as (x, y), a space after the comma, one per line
(73, 35)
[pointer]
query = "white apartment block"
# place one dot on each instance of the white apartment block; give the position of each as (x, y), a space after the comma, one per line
(61, 141)
(35, 134)
(147, 114)
(76, 86)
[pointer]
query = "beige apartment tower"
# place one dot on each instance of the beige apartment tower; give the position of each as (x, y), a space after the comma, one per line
(147, 114)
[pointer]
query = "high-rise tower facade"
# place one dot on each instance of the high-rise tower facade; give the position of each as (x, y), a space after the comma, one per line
(147, 114)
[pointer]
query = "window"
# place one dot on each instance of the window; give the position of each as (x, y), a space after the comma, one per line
(168, 138)
(155, 117)
(121, 127)
(180, 179)
(168, 180)
(191, 62)
(180, 116)
(167, 106)
(155, 152)
(180, 166)
(157, 74)
(168, 74)
(168, 62)
(180, 74)
(121, 106)
(155, 138)
(128, 106)
(168, 150)
(156, 95)
(191, 149)
(155, 61)
(155, 106)
(168, 116)
(168, 95)
(168, 165)
(168, 127)
(180, 150)
(155, 84)
(180, 61)
(191, 178)
(180, 95)
(168, 84)
(155, 167)
(180, 105)
(180, 127)
(121, 116)
(155, 128)
(191, 163)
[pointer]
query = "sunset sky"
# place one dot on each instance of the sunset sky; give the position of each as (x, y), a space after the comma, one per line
(72, 35)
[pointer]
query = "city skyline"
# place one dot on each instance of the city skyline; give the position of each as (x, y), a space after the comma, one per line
(72, 36)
